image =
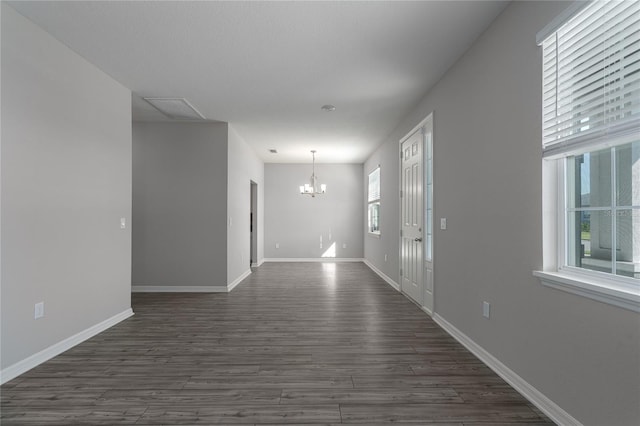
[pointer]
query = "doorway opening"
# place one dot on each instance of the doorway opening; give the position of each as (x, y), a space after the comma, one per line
(416, 214)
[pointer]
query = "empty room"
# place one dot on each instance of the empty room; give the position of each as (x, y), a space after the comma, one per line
(320, 212)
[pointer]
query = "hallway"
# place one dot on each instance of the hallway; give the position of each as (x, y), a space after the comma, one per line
(295, 343)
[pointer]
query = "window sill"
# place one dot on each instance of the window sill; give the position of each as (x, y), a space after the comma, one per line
(607, 291)
(374, 234)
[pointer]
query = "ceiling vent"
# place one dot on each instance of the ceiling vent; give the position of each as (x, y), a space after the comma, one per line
(175, 108)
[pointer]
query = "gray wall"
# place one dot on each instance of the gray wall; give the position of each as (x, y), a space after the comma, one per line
(179, 208)
(244, 167)
(297, 222)
(580, 353)
(388, 242)
(66, 182)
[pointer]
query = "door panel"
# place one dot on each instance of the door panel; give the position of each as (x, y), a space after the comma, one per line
(412, 217)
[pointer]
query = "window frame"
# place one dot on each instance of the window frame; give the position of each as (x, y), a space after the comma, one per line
(373, 201)
(613, 289)
(616, 290)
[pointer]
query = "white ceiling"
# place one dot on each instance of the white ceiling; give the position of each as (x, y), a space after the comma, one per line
(268, 67)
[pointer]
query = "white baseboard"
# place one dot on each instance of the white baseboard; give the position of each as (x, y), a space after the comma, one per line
(314, 259)
(537, 398)
(238, 280)
(34, 360)
(257, 265)
(178, 289)
(426, 311)
(382, 275)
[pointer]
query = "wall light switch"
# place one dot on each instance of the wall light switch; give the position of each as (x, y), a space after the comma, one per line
(277, 245)
(123, 223)
(486, 309)
(443, 223)
(38, 311)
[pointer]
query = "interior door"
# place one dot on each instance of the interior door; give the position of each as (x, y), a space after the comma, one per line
(411, 256)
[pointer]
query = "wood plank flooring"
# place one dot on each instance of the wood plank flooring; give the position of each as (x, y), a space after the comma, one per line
(295, 343)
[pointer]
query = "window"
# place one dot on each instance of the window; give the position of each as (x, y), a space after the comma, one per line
(597, 221)
(428, 139)
(591, 140)
(374, 201)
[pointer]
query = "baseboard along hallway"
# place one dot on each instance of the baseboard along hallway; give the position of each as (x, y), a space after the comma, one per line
(303, 343)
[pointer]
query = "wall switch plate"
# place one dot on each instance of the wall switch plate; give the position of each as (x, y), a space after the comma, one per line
(344, 245)
(38, 311)
(123, 223)
(486, 309)
(230, 221)
(443, 223)
(277, 245)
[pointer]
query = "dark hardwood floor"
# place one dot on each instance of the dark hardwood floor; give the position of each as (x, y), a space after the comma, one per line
(295, 343)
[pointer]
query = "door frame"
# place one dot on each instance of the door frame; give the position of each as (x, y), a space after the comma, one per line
(421, 124)
(253, 232)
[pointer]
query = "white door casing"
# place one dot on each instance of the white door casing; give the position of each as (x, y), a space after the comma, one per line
(416, 210)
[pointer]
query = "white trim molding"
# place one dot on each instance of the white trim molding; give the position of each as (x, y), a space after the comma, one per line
(314, 259)
(257, 265)
(178, 289)
(56, 349)
(537, 398)
(426, 310)
(384, 276)
(602, 291)
(238, 280)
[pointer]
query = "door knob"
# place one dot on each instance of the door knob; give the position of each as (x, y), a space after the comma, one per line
(417, 240)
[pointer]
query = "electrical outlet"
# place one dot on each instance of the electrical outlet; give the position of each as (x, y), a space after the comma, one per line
(277, 245)
(123, 223)
(443, 223)
(344, 245)
(486, 309)
(38, 311)
(385, 257)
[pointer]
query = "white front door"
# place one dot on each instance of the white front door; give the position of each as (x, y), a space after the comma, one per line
(411, 266)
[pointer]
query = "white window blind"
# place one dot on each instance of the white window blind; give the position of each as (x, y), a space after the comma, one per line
(591, 79)
(374, 185)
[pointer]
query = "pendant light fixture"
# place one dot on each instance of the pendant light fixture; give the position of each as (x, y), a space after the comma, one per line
(312, 188)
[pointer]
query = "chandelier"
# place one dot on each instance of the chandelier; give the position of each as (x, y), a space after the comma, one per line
(312, 187)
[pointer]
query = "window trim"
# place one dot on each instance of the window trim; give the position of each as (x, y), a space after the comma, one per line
(605, 290)
(373, 201)
(615, 290)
